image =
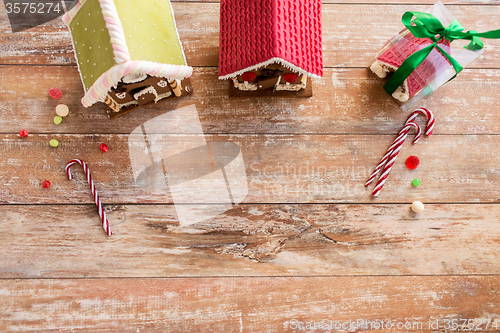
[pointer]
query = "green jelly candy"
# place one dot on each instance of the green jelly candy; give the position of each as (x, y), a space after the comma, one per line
(54, 143)
(416, 182)
(57, 120)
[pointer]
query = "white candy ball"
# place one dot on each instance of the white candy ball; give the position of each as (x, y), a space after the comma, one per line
(62, 110)
(417, 207)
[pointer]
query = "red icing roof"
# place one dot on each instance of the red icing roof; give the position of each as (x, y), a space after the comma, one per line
(253, 32)
(427, 71)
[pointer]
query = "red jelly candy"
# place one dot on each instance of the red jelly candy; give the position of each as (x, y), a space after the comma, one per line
(103, 147)
(23, 133)
(55, 93)
(291, 78)
(412, 162)
(46, 184)
(248, 76)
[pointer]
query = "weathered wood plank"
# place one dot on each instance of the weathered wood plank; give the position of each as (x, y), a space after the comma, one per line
(352, 34)
(279, 168)
(249, 240)
(246, 304)
(345, 101)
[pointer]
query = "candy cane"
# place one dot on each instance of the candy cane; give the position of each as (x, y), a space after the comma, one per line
(390, 162)
(411, 118)
(430, 119)
(102, 213)
(398, 141)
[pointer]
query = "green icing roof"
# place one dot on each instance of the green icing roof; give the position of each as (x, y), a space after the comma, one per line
(150, 32)
(93, 49)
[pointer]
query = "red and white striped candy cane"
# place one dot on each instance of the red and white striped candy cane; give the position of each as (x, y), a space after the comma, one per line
(430, 119)
(391, 160)
(411, 118)
(102, 213)
(398, 141)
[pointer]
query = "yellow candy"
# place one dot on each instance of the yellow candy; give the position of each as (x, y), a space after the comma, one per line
(62, 110)
(54, 143)
(57, 120)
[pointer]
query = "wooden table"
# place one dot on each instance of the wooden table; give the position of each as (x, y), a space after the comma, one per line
(308, 244)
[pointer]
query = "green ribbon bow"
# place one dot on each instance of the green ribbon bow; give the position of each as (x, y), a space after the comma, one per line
(428, 26)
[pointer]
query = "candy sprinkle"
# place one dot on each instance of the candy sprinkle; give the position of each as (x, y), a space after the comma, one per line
(55, 93)
(54, 143)
(46, 184)
(417, 207)
(57, 120)
(62, 110)
(416, 182)
(412, 162)
(103, 147)
(23, 133)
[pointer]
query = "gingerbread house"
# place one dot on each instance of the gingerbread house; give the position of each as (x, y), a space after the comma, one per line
(128, 52)
(270, 44)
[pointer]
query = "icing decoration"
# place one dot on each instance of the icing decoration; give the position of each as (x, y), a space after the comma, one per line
(46, 184)
(246, 86)
(248, 76)
(291, 78)
(54, 143)
(148, 90)
(23, 133)
(134, 78)
(163, 83)
(270, 32)
(111, 78)
(293, 86)
(416, 182)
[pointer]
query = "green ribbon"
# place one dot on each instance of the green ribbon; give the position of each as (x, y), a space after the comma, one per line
(428, 26)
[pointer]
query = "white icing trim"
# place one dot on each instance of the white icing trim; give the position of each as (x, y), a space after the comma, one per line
(121, 95)
(292, 86)
(148, 90)
(134, 78)
(245, 86)
(274, 60)
(159, 98)
(162, 84)
(122, 105)
(162, 96)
